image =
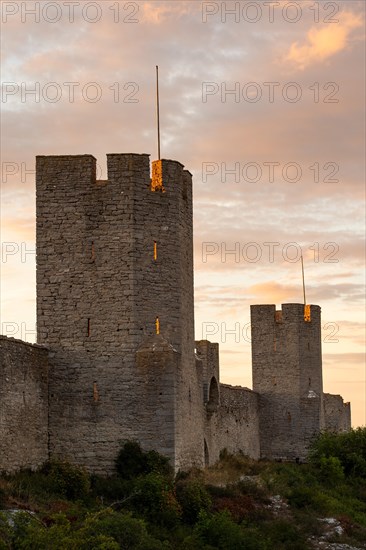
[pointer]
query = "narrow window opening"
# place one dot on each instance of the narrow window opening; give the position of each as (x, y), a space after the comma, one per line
(307, 314)
(207, 456)
(92, 251)
(157, 325)
(213, 397)
(95, 392)
(274, 345)
(155, 251)
(88, 327)
(157, 177)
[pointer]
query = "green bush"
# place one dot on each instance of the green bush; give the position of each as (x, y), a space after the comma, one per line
(127, 531)
(301, 497)
(67, 480)
(154, 498)
(348, 447)
(284, 535)
(220, 531)
(132, 461)
(105, 530)
(111, 489)
(158, 463)
(5, 532)
(193, 498)
(331, 470)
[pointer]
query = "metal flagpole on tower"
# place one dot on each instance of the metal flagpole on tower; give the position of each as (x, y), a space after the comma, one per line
(158, 108)
(303, 279)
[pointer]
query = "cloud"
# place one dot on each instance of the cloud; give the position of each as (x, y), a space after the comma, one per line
(275, 293)
(339, 360)
(157, 13)
(323, 43)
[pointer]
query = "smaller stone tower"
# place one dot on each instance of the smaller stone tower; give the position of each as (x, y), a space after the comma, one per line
(287, 373)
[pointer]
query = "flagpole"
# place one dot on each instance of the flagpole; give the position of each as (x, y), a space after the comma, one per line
(303, 279)
(158, 108)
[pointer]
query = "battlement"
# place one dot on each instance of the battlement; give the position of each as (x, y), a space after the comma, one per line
(287, 314)
(56, 171)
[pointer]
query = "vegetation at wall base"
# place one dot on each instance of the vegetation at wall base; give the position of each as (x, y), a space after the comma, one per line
(237, 504)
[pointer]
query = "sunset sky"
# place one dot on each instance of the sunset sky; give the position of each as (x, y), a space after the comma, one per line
(262, 101)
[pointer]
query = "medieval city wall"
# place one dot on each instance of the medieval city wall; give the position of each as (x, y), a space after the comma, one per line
(115, 320)
(234, 424)
(337, 413)
(23, 405)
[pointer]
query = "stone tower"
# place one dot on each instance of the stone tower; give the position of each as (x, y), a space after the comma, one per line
(115, 308)
(287, 373)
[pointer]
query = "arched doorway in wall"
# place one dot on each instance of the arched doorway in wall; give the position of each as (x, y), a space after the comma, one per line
(207, 456)
(213, 396)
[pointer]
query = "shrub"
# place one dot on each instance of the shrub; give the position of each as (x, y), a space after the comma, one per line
(67, 480)
(3, 496)
(221, 532)
(132, 461)
(240, 506)
(158, 463)
(284, 535)
(5, 532)
(193, 498)
(348, 447)
(105, 530)
(301, 497)
(127, 531)
(111, 489)
(331, 470)
(155, 499)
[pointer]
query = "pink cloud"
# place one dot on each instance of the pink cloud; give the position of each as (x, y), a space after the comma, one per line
(322, 44)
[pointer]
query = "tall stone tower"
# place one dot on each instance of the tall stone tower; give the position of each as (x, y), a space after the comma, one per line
(115, 307)
(287, 373)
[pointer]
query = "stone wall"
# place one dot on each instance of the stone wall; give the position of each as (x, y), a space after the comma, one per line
(23, 405)
(208, 354)
(234, 425)
(337, 413)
